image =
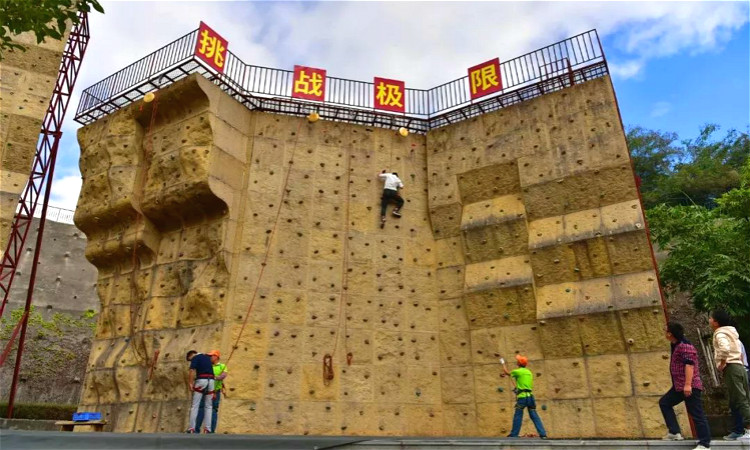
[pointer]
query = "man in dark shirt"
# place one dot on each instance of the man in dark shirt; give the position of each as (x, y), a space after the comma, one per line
(686, 386)
(201, 383)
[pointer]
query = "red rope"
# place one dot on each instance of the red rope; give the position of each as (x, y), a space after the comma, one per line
(268, 248)
(12, 339)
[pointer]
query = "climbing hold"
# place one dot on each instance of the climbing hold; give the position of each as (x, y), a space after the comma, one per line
(403, 131)
(149, 97)
(500, 389)
(313, 117)
(544, 407)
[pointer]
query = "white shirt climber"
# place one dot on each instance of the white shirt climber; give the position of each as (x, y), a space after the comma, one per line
(392, 181)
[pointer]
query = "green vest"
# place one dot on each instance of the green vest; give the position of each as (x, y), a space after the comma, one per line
(218, 370)
(524, 381)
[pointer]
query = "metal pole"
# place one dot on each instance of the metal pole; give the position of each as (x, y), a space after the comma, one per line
(32, 276)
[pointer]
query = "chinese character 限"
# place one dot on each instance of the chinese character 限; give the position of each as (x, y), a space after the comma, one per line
(485, 78)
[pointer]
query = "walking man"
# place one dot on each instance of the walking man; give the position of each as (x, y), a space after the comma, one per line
(523, 380)
(390, 195)
(728, 359)
(220, 373)
(201, 383)
(686, 387)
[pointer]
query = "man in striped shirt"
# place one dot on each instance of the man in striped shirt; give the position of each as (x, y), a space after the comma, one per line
(686, 387)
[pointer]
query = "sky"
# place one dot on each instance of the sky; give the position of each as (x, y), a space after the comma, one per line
(675, 65)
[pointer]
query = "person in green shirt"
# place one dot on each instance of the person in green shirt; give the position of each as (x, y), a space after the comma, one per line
(220, 373)
(523, 380)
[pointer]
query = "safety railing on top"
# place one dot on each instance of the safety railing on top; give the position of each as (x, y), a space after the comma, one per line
(558, 65)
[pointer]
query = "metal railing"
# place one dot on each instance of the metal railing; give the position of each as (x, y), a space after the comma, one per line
(572, 60)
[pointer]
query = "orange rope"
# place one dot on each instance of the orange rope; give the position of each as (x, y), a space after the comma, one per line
(268, 248)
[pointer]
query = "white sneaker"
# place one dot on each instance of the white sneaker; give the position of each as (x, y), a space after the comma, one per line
(700, 447)
(673, 437)
(746, 436)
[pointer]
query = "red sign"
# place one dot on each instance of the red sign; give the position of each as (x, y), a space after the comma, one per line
(211, 48)
(309, 83)
(485, 78)
(390, 95)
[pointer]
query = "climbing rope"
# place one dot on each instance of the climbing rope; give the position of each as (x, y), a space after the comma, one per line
(148, 147)
(268, 246)
(343, 292)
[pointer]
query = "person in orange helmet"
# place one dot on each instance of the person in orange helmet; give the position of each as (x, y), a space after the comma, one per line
(523, 380)
(220, 373)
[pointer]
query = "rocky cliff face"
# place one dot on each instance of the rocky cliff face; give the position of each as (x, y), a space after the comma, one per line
(213, 226)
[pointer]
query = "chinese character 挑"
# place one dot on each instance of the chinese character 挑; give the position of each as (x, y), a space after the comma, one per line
(212, 48)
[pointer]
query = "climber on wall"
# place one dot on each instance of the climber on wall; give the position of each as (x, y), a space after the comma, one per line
(523, 380)
(201, 384)
(390, 194)
(220, 373)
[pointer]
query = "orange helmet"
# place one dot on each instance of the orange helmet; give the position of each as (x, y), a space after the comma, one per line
(522, 360)
(214, 353)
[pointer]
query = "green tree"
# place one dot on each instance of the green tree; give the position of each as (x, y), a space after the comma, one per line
(46, 18)
(654, 155)
(709, 250)
(689, 172)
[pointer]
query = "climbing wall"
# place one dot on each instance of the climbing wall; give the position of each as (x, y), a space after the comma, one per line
(26, 82)
(213, 226)
(542, 251)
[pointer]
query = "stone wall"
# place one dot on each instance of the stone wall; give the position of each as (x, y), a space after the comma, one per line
(26, 83)
(522, 232)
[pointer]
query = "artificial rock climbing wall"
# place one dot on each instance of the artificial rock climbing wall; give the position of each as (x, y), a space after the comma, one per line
(213, 226)
(542, 251)
(26, 82)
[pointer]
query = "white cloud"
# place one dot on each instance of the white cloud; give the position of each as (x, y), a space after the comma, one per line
(65, 192)
(422, 43)
(660, 109)
(626, 69)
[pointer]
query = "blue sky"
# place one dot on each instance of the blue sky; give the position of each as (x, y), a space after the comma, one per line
(675, 65)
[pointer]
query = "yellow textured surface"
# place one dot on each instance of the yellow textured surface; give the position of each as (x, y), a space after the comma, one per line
(26, 83)
(490, 259)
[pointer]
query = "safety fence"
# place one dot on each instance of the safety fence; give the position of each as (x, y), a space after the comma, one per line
(556, 66)
(56, 214)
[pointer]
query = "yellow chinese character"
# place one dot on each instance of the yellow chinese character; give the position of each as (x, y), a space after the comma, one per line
(389, 95)
(309, 84)
(484, 78)
(212, 48)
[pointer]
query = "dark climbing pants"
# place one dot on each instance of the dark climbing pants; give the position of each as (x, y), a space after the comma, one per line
(390, 196)
(521, 404)
(735, 380)
(694, 405)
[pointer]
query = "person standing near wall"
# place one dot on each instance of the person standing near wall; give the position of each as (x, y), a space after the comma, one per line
(220, 373)
(523, 380)
(390, 194)
(686, 387)
(201, 384)
(728, 358)
(738, 428)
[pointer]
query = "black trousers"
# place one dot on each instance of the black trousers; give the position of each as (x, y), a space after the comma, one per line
(390, 196)
(694, 405)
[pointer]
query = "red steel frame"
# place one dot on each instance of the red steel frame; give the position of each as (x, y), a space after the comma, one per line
(40, 184)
